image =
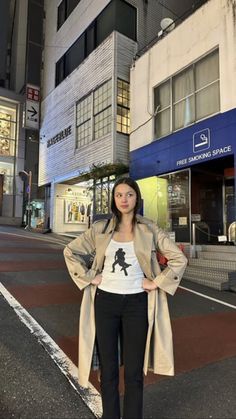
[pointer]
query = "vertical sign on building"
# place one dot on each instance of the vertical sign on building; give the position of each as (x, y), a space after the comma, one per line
(32, 107)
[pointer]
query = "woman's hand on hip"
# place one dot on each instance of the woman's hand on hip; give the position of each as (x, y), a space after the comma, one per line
(149, 285)
(97, 280)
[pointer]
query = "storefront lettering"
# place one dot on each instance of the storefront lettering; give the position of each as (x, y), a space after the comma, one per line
(60, 136)
(203, 156)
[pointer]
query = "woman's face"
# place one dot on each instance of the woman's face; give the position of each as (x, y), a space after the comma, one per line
(125, 198)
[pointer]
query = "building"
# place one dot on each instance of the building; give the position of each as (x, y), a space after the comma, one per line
(85, 122)
(21, 23)
(183, 132)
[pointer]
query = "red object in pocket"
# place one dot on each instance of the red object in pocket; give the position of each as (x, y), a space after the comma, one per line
(162, 260)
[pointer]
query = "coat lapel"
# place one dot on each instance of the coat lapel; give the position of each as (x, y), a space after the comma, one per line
(102, 241)
(143, 246)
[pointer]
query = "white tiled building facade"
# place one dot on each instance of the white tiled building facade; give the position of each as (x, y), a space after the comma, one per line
(89, 49)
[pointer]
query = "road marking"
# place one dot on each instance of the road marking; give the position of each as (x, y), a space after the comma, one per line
(90, 395)
(209, 298)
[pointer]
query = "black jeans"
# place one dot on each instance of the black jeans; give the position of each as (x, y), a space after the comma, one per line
(113, 313)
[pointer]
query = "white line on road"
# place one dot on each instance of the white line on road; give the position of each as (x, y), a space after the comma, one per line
(209, 298)
(90, 395)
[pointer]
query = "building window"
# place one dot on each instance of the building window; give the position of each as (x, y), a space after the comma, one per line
(64, 10)
(102, 110)
(74, 56)
(188, 97)
(116, 16)
(83, 122)
(7, 129)
(123, 107)
(103, 191)
(94, 111)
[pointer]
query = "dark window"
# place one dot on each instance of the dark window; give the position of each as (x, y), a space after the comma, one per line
(34, 56)
(64, 10)
(60, 70)
(106, 22)
(70, 6)
(61, 14)
(90, 39)
(117, 15)
(75, 55)
(126, 19)
(35, 19)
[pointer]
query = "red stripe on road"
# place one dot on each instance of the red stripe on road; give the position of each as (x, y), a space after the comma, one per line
(31, 265)
(201, 340)
(13, 250)
(69, 345)
(30, 296)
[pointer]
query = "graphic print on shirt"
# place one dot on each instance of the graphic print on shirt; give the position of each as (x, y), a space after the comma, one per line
(120, 260)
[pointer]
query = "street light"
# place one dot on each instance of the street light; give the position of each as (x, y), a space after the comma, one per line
(27, 176)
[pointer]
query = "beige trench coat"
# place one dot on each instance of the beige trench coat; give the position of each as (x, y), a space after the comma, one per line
(148, 237)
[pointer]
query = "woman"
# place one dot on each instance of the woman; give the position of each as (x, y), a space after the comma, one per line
(125, 294)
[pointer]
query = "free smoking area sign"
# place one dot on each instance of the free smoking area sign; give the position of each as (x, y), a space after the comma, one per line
(202, 149)
(201, 140)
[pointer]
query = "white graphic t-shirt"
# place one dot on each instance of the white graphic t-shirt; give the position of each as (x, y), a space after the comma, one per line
(122, 273)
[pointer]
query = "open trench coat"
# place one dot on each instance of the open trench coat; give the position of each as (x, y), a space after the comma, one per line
(148, 238)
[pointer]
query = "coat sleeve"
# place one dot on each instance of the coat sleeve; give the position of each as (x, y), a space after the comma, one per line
(170, 277)
(84, 244)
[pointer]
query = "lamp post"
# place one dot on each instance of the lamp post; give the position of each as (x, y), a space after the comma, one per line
(27, 176)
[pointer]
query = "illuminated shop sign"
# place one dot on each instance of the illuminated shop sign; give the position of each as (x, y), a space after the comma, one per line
(59, 137)
(204, 141)
(201, 145)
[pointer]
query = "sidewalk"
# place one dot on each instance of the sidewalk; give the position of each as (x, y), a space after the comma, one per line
(32, 386)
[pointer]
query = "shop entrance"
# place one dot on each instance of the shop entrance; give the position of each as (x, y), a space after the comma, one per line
(203, 195)
(212, 199)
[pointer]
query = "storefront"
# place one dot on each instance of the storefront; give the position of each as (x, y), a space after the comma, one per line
(188, 178)
(77, 204)
(11, 159)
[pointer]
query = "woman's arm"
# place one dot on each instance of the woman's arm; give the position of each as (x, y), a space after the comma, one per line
(170, 277)
(84, 244)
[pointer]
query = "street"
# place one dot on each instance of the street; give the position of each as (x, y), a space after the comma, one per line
(39, 309)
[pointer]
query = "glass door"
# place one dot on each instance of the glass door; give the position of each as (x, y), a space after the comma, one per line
(177, 221)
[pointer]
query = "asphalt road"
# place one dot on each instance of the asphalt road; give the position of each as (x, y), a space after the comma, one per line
(32, 385)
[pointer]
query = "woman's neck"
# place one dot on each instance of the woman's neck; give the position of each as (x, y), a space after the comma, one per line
(126, 223)
(124, 231)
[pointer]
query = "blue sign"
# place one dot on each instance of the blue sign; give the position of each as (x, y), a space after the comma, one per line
(201, 140)
(209, 139)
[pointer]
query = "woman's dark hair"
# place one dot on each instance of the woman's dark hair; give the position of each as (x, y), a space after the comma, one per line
(130, 182)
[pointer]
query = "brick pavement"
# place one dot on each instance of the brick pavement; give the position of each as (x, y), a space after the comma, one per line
(203, 330)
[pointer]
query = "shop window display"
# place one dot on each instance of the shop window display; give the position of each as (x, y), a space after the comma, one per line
(6, 169)
(77, 211)
(7, 130)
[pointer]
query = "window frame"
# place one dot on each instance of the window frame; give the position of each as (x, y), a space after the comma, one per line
(65, 11)
(122, 106)
(92, 137)
(172, 104)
